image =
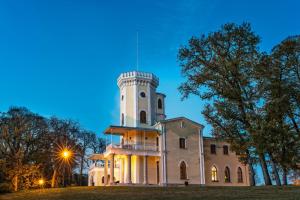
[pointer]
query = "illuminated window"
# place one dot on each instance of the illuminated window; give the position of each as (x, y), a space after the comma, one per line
(227, 175)
(240, 175)
(183, 174)
(214, 174)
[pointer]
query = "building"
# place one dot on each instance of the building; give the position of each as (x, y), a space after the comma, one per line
(156, 150)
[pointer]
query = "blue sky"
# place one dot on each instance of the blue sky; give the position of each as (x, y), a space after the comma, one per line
(62, 58)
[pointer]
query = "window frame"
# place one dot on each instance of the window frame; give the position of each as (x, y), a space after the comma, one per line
(182, 143)
(183, 170)
(213, 146)
(225, 150)
(143, 119)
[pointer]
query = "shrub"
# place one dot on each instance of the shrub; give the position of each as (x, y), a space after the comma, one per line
(5, 188)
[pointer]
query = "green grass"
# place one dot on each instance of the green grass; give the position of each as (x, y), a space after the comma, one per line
(158, 193)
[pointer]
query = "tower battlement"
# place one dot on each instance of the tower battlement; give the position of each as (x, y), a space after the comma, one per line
(138, 77)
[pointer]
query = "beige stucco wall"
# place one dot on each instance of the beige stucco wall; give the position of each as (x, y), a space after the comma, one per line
(175, 155)
(220, 161)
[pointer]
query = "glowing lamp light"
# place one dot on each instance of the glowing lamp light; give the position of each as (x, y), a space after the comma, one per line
(66, 154)
(41, 182)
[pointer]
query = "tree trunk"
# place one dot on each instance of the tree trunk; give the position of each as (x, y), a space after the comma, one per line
(15, 183)
(251, 175)
(81, 169)
(53, 181)
(284, 176)
(265, 170)
(275, 171)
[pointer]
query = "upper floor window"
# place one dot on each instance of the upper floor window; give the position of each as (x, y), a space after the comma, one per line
(182, 143)
(214, 174)
(122, 97)
(240, 175)
(225, 150)
(143, 118)
(159, 104)
(183, 174)
(213, 149)
(227, 175)
(143, 94)
(182, 125)
(122, 119)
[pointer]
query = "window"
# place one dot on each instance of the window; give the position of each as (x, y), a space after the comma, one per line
(227, 175)
(182, 143)
(225, 150)
(183, 174)
(240, 175)
(213, 149)
(214, 174)
(122, 119)
(143, 119)
(102, 179)
(159, 104)
(143, 94)
(122, 97)
(182, 125)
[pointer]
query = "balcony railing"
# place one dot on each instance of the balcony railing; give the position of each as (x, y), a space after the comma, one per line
(134, 146)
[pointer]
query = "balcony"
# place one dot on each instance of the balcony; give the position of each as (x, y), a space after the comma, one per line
(133, 149)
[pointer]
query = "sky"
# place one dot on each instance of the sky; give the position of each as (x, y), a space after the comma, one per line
(62, 58)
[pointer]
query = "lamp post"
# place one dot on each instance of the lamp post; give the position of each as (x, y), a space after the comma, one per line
(65, 154)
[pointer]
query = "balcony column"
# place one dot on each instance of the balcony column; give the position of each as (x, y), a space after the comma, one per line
(112, 169)
(128, 174)
(105, 171)
(145, 170)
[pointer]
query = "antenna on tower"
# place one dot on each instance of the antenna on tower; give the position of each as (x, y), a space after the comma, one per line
(137, 51)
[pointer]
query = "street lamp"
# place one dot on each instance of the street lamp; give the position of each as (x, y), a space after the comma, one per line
(41, 182)
(65, 154)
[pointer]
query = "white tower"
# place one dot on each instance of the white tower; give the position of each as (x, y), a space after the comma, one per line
(140, 105)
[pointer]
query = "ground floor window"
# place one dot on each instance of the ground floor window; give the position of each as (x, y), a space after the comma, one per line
(240, 175)
(183, 174)
(227, 175)
(214, 174)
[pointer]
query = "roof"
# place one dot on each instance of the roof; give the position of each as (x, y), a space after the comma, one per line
(182, 118)
(121, 130)
(96, 156)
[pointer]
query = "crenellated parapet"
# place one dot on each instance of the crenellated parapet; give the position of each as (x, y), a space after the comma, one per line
(137, 78)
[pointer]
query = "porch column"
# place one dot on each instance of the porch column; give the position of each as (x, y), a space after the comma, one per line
(105, 171)
(128, 174)
(112, 169)
(145, 170)
(122, 170)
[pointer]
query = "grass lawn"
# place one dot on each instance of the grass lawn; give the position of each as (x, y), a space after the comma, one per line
(156, 193)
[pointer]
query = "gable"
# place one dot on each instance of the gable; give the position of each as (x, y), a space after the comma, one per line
(182, 127)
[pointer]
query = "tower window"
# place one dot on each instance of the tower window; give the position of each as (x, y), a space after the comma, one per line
(213, 149)
(122, 97)
(143, 118)
(143, 94)
(183, 174)
(182, 143)
(225, 150)
(122, 119)
(159, 104)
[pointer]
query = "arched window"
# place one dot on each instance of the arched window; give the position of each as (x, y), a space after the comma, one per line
(159, 104)
(183, 174)
(214, 174)
(240, 175)
(143, 119)
(102, 179)
(227, 175)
